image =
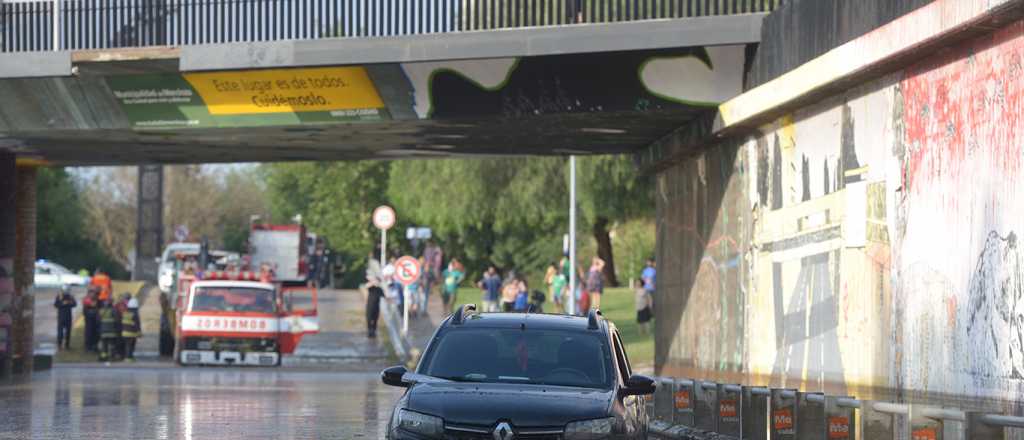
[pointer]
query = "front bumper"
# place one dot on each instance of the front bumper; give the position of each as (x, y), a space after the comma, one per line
(209, 357)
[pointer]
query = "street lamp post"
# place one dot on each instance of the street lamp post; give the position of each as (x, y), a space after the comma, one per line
(572, 235)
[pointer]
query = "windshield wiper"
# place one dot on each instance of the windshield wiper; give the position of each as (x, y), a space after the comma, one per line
(466, 378)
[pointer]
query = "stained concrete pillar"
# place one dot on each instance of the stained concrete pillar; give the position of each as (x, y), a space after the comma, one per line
(149, 231)
(22, 346)
(7, 251)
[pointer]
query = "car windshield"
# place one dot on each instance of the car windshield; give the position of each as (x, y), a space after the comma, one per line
(233, 299)
(546, 357)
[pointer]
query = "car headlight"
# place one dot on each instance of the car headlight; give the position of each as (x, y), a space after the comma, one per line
(421, 423)
(589, 429)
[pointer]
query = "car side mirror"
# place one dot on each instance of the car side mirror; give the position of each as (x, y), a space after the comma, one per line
(393, 376)
(638, 385)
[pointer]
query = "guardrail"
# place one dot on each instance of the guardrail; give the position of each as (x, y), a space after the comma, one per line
(101, 24)
(693, 409)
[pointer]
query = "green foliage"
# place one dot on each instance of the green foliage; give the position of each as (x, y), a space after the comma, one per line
(509, 211)
(60, 226)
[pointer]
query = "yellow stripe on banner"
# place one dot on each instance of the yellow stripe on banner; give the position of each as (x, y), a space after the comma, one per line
(286, 90)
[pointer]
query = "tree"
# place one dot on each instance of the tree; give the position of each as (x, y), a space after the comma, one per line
(335, 200)
(61, 220)
(612, 191)
(520, 205)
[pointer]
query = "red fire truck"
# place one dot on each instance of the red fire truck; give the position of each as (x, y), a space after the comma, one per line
(240, 318)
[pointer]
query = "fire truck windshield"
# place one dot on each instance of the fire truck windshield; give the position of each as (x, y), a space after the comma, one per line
(233, 299)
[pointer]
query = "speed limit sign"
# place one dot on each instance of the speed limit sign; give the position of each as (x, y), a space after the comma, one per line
(384, 217)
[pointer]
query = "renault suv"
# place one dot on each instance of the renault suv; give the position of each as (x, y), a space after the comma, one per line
(519, 376)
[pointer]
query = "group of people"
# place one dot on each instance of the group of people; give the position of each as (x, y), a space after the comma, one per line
(112, 325)
(382, 283)
(510, 293)
(589, 285)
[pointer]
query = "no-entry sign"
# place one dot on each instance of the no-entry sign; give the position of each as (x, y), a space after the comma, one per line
(384, 217)
(407, 270)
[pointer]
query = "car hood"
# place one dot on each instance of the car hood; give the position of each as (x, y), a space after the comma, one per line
(484, 404)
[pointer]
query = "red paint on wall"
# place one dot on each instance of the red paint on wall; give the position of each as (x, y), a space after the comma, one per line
(964, 102)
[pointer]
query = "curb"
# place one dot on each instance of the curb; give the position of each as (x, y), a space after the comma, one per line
(399, 345)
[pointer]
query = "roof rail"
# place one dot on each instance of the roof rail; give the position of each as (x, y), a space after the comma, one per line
(461, 313)
(592, 319)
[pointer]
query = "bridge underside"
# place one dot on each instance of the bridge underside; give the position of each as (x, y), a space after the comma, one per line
(545, 92)
(533, 135)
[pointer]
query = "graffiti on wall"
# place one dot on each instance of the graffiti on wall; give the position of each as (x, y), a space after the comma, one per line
(649, 80)
(883, 242)
(960, 170)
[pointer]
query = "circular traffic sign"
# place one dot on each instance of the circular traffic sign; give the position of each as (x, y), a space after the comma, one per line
(407, 270)
(384, 217)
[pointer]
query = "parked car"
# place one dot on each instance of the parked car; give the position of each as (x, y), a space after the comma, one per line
(50, 274)
(517, 376)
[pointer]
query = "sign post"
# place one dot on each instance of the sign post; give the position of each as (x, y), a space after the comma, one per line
(383, 219)
(407, 271)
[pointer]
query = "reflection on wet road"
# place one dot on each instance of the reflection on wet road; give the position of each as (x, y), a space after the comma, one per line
(195, 403)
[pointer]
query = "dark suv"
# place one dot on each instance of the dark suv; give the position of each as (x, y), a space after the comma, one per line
(518, 376)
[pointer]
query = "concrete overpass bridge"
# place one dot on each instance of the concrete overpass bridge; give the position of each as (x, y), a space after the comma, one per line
(846, 221)
(264, 80)
(151, 83)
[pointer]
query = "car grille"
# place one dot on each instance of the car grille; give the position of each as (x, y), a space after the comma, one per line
(230, 344)
(474, 432)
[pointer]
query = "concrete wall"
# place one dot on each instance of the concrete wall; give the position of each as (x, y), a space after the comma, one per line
(865, 244)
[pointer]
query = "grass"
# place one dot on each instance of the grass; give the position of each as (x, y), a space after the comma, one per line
(77, 352)
(618, 306)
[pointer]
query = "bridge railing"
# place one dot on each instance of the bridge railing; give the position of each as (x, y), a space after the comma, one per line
(694, 409)
(27, 25)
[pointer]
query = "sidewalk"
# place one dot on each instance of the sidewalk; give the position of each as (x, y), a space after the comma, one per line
(342, 339)
(409, 347)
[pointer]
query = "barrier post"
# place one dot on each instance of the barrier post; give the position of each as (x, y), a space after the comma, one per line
(810, 421)
(755, 413)
(730, 410)
(981, 426)
(879, 421)
(705, 411)
(923, 427)
(660, 405)
(784, 411)
(663, 400)
(682, 399)
(840, 422)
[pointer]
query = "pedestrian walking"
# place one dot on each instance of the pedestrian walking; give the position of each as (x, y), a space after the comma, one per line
(595, 282)
(65, 304)
(522, 301)
(557, 288)
(453, 276)
(509, 291)
(131, 328)
(645, 297)
(648, 277)
(490, 286)
(109, 333)
(375, 291)
(432, 259)
(90, 309)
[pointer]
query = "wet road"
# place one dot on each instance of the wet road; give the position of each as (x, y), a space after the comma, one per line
(195, 403)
